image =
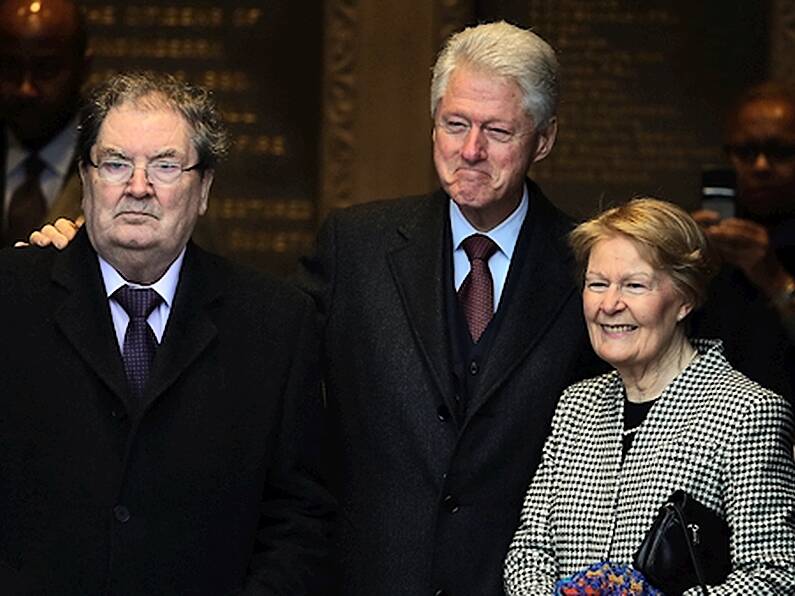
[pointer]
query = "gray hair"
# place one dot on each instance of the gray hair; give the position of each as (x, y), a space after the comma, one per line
(152, 90)
(504, 50)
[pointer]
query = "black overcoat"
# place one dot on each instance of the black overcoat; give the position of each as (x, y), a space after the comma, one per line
(207, 485)
(429, 500)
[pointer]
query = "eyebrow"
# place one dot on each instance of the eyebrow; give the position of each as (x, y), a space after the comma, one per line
(495, 121)
(113, 152)
(643, 274)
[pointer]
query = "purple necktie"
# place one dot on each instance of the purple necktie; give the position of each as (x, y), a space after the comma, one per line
(28, 206)
(139, 339)
(476, 294)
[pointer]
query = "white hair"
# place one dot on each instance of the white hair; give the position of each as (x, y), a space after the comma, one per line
(503, 50)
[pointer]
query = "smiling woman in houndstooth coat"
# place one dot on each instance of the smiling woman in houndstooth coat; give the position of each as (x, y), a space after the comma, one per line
(672, 415)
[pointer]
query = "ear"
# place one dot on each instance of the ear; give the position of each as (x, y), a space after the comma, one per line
(545, 140)
(84, 183)
(207, 182)
(684, 310)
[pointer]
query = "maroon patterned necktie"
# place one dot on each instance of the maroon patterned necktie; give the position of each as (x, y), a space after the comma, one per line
(28, 206)
(139, 339)
(476, 294)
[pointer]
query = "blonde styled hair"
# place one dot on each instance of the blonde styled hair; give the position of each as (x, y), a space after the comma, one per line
(664, 234)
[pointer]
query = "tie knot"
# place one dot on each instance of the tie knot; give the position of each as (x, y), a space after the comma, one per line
(479, 247)
(137, 302)
(33, 166)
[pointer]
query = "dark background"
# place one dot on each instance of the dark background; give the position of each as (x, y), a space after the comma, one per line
(645, 84)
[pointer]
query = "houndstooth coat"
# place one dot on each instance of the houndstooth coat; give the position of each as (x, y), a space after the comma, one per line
(713, 432)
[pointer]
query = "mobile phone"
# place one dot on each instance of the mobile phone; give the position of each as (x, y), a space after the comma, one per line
(719, 190)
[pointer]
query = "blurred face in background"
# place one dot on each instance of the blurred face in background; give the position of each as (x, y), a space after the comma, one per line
(42, 68)
(761, 146)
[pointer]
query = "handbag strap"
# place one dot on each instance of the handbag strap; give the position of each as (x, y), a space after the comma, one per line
(696, 564)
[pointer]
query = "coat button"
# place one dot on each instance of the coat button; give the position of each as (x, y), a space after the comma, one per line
(440, 593)
(121, 513)
(443, 413)
(450, 503)
(473, 368)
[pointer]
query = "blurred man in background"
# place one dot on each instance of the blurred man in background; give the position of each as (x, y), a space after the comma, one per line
(43, 65)
(752, 303)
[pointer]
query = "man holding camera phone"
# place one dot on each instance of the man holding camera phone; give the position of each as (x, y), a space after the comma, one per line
(752, 303)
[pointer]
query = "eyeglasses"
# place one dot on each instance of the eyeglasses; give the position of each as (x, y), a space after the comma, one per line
(773, 152)
(161, 172)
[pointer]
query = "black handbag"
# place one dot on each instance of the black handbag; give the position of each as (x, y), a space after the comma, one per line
(686, 546)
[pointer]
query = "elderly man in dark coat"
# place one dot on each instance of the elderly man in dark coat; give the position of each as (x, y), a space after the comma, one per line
(159, 407)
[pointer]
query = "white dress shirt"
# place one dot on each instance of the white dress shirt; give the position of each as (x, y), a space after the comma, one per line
(504, 236)
(57, 156)
(166, 287)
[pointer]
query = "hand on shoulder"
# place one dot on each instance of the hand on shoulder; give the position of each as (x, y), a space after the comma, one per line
(58, 234)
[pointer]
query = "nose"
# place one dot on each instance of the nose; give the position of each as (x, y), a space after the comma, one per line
(27, 86)
(474, 148)
(139, 185)
(612, 300)
(761, 162)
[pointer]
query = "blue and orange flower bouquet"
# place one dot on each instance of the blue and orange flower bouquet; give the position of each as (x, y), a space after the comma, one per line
(606, 579)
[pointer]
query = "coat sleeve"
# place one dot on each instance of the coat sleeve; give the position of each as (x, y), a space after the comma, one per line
(760, 502)
(316, 273)
(530, 567)
(297, 511)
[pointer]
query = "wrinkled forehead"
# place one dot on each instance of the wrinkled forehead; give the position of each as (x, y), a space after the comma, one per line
(628, 245)
(145, 125)
(764, 119)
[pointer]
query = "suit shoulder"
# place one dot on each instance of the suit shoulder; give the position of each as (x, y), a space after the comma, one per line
(731, 390)
(593, 387)
(543, 208)
(387, 212)
(250, 284)
(27, 263)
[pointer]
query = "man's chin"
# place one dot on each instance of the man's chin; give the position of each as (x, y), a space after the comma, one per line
(765, 203)
(134, 237)
(471, 195)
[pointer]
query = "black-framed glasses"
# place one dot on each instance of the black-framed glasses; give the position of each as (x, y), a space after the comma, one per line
(773, 151)
(162, 172)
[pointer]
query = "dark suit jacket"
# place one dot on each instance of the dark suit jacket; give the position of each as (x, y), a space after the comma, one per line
(430, 502)
(754, 337)
(68, 202)
(207, 485)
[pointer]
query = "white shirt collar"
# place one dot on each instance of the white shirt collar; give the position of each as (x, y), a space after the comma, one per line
(166, 286)
(504, 235)
(57, 155)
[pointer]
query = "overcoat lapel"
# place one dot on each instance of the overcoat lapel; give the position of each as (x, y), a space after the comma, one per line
(84, 315)
(543, 287)
(416, 262)
(3, 156)
(68, 202)
(189, 330)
